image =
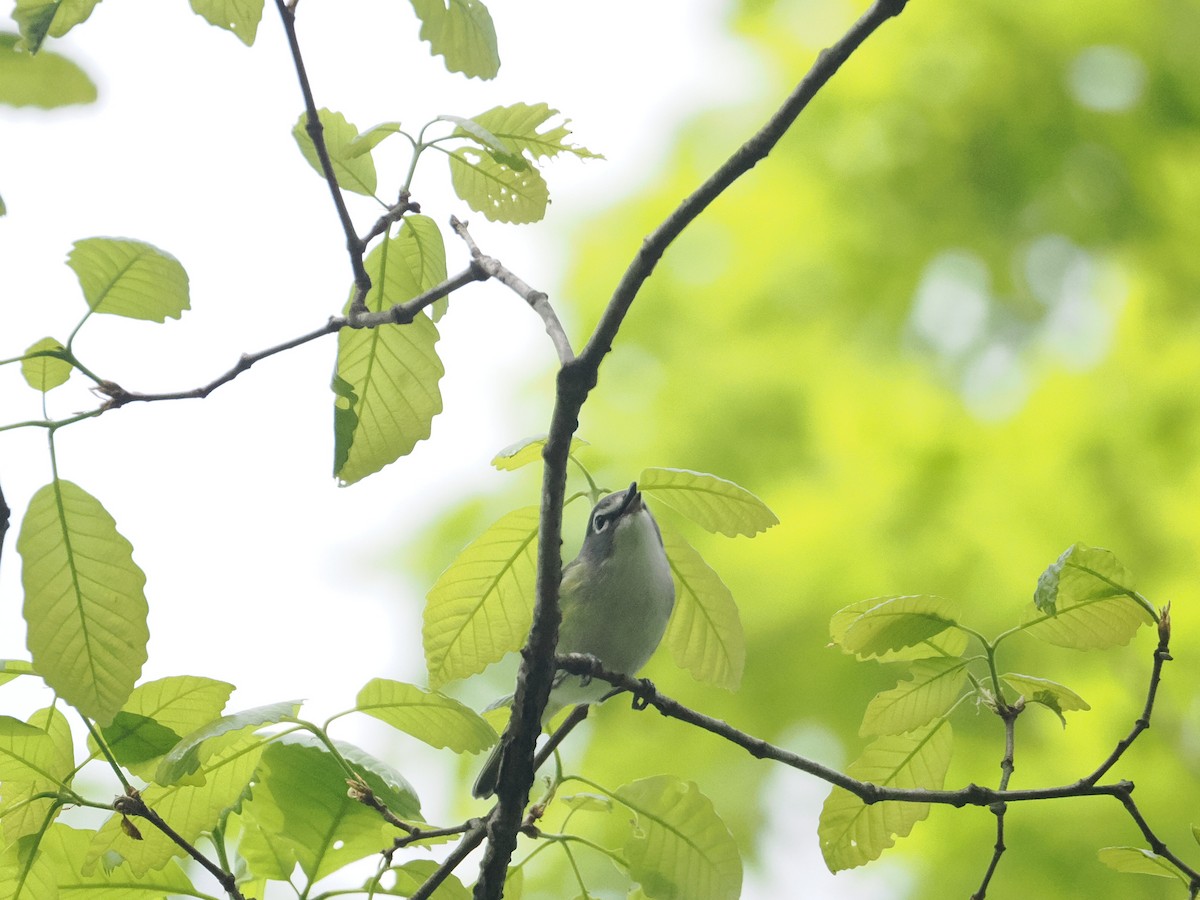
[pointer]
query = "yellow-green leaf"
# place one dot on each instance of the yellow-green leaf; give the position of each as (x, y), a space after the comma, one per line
(130, 278)
(500, 192)
(186, 757)
(678, 847)
(462, 33)
(1054, 696)
(44, 373)
(1139, 862)
(525, 451)
(852, 833)
(951, 642)
(705, 632)
(84, 600)
(386, 382)
(39, 18)
(931, 688)
(713, 503)
(429, 716)
(46, 80)
(354, 170)
(1086, 601)
(514, 130)
(893, 623)
(35, 758)
(481, 607)
(238, 16)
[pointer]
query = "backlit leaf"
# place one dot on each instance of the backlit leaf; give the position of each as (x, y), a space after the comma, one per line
(35, 758)
(462, 33)
(238, 16)
(185, 757)
(434, 718)
(481, 607)
(46, 80)
(1056, 697)
(84, 600)
(931, 688)
(1138, 861)
(39, 18)
(514, 129)
(130, 278)
(893, 623)
(705, 632)
(678, 848)
(713, 503)
(526, 451)
(500, 192)
(852, 833)
(951, 642)
(44, 373)
(353, 169)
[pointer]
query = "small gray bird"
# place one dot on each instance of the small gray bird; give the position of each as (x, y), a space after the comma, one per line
(616, 597)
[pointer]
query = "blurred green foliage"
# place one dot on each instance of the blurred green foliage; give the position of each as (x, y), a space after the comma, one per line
(947, 329)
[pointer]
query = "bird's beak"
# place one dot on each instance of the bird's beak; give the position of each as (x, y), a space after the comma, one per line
(632, 502)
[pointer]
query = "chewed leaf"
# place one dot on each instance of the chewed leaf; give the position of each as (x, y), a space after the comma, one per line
(705, 632)
(241, 17)
(494, 188)
(1054, 696)
(893, 623)
(525, 451)
(678, 847)
(85, 600)
(514, 129)
(852, 833)
(930, 690)
(713, 503)
(130, 278)
(1086, 601)
(481, 607)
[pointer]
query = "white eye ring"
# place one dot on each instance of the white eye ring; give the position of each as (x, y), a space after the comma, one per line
(599, 523)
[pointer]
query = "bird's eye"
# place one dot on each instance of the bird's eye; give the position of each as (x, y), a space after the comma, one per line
(599, 523)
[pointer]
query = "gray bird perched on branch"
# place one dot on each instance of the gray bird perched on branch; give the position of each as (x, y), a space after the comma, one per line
(616, 597)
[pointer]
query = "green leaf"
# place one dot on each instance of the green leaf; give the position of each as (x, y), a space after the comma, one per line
(588, 802)
(481, 607)
(526, 451)
(951, 642)
(239, 16)
(190, 809)
(1056, 697)
(852, 833)
(500, 192)
(713, 503)
(515, 130)
(371, 138)
(355, 171)
(387, 378)
(156, 717)
(34, 758)
(1086, 601)
(300, 798)
(678, 847)
(1139, 862)
(434, 718)
(462, 33)
(45, 373)
(11, 668)
(39, 18)
(931, 689)
(494, 145)
(84, 600)
(893, 623)
(705, 632)
(185, 757)
(46, 80)
(130, 278)
(415, 873)
(385, 782)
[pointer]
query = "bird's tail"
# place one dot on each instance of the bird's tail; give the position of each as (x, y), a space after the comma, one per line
(485, 784)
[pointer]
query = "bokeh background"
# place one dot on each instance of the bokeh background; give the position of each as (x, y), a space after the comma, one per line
(946, 330)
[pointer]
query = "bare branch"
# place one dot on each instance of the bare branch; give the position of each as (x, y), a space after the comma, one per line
(538, 301)
(1009, 716)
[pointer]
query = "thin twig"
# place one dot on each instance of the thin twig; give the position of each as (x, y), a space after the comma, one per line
(575, 381)
(469, 842)
(538, 301)
(316, 131)
(132, 804)
(5, 513)
(1008, 715)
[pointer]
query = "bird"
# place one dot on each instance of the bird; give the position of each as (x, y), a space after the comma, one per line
(616, 597)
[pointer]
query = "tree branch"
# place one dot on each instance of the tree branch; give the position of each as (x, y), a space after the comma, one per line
(1008, 715)
(575, 381)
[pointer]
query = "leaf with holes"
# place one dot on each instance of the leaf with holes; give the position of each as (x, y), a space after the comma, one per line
(500, 192)
(705, 632)
(481, 607)
(241, 17)
(84, 600)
